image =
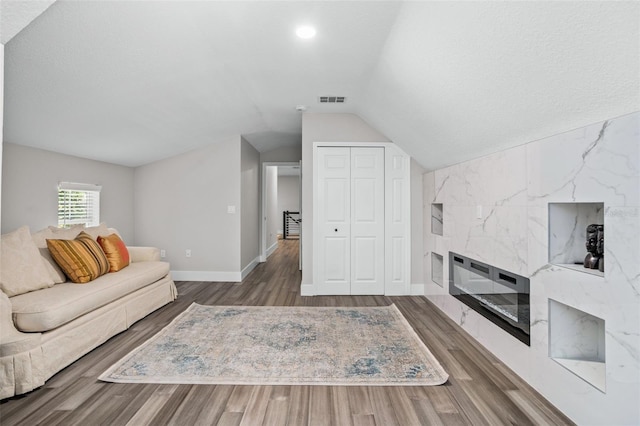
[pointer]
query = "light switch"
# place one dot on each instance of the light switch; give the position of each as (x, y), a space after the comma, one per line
(231, 209)
(478, 211)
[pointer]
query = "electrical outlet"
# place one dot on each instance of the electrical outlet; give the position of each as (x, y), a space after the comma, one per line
(231, 209)
(187, 253)
(163, 254)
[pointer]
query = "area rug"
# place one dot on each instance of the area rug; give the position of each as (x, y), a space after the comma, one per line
(248, 345)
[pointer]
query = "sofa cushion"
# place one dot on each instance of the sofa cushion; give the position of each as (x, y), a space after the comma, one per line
(116, 252)
(54, 271)
(81, 259)
(41, 237)
(97, 231)
(53, 233)
(52, 307)
(22, 269)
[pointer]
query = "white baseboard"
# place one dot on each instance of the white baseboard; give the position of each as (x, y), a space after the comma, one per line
(271, 249)
(307, 290)
(417, 289)
(247, 269)
(209, 276)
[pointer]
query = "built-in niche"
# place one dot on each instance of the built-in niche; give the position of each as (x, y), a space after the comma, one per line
(437, 268)
(436, 218)
(577, 342)
(568, 233)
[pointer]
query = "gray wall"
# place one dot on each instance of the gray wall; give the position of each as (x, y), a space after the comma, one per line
(286, 153)
(30, 196)
(181, 203)
(324, 128)
(249, 203)
(288, 196)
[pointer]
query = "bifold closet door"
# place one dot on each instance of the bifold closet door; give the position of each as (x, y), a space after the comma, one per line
(351, 219)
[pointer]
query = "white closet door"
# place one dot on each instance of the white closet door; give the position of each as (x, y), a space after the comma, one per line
(367, 220)
(334, 211)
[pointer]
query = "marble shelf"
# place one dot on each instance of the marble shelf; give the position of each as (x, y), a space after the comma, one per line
(567, 233)
(437, 268)
(593, 372)
(581, 268)
(577, 342)
(437, 223)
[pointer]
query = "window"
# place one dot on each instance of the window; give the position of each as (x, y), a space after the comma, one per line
(78, 203)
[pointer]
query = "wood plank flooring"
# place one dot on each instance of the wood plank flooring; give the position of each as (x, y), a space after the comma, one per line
(481, 390)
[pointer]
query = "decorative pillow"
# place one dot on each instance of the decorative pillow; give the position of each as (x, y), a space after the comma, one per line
(81, 259)
(116, 252)
(21, 267)
(52, 267)
(66, 233)
(96, 231)
(41, 237)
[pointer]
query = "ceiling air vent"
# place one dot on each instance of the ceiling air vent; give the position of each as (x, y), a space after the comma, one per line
(332, 99)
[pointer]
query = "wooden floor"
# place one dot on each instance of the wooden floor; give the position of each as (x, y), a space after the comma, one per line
(481, 390)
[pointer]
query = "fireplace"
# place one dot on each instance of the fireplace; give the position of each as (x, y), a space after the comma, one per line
(498, 295)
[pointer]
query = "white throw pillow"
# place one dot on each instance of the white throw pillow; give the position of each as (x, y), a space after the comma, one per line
(66, 233)
(53, 233)
(52, 267)
(98, 231)
(22, 269)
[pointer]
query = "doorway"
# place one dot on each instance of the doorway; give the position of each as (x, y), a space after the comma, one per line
(281, 205)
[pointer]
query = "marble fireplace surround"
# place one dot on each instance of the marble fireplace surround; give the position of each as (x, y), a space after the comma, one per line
(513, 210)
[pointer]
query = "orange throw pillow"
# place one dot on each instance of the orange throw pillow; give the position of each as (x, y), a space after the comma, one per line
(82, 259)
(116, 252)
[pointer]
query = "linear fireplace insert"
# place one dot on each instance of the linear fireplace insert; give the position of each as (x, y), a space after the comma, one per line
(498, 295)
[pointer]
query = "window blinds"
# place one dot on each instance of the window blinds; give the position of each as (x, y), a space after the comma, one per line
(78, 203)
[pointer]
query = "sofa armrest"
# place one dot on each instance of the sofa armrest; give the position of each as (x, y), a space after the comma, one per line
(13, 341)
(143, 254)
(21, 360)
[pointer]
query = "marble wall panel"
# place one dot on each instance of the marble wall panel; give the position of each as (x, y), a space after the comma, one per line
(599, 163)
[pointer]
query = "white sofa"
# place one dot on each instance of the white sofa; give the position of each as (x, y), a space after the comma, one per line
(43, 331)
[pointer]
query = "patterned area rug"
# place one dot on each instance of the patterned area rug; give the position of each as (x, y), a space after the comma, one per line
(248, 345)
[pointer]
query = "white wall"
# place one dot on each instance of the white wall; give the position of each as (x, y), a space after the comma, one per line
(417, 252)
(324, 128)
(459, 79)
(1, 119)
(288, 197)
(271, 192)
(30, 194)
(514, 188)
(181, 203)
(249, 204)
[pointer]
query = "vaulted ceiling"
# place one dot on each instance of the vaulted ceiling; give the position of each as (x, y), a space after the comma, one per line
(131, 82)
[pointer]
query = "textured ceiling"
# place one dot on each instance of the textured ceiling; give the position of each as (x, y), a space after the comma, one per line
(130, 82)
(17, 14)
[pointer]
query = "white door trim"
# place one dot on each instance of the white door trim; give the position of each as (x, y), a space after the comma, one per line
(397, 226)
(263, 204)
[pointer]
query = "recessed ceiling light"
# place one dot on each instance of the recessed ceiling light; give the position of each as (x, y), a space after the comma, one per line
(306, 32)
